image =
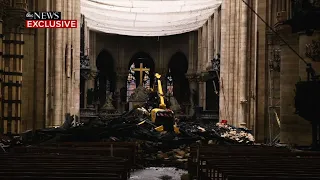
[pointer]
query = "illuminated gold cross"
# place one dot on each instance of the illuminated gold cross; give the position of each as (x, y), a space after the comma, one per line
(141, 70)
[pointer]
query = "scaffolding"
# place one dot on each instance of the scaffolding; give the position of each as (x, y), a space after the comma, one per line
(274, 61)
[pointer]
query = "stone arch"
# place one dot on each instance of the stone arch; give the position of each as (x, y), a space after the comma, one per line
(104, 53)
(178, 66)
(146, 60)
(106, 67)
(173, 52)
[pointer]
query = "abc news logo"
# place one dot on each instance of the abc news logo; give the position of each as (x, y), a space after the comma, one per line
(48, 15)
(48, 19)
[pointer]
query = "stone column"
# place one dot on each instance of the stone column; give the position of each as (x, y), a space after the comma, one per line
(232, 51)
(64, 83)
(215, 32)
(192, 70)
(199, 62)
(90, 49)
(3, 5)
(121, 82)
(289, 76)
(210, 40)
(69, 47)
(76, 62)
(122, 73)
(87, 39)
(192, 78)
(260, 73)
(209, 52)
(191, 61)
(242, 65)
(199, 51)
(218, 28)
(204, 47)
(1, 70)
(224, 64)
(57, 116)
(203, 92)
(12, 71)
(202, 84)
(92, 55)
(89, 82)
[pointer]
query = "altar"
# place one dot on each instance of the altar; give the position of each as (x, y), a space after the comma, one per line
(138, 98)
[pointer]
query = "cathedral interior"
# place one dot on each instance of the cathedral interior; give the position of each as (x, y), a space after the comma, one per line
(247, 64)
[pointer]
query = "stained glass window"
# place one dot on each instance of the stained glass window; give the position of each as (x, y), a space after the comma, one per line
(131, 82)
(169, 84)
(146, 80)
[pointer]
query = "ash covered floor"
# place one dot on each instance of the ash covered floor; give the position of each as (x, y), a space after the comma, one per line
(158, 173)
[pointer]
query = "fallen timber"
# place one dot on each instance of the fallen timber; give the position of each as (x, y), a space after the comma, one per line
(238, 162)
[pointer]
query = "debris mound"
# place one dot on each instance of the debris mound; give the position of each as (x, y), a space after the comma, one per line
(156, 146)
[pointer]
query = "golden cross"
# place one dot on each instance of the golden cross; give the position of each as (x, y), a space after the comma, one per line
(141, 70)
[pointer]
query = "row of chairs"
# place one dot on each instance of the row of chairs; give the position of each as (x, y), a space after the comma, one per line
(241, 162)
(96, 160)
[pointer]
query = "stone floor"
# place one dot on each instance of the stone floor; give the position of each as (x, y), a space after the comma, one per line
(155, 173)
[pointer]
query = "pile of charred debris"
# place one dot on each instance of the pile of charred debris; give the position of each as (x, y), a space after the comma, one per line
(135, 126)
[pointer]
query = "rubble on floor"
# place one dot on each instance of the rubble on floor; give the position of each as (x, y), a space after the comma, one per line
(7, 142)
(136, 126)
(158, 173)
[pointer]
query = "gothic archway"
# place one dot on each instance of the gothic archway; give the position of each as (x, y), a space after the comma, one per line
(178, 66)
(105, 81)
